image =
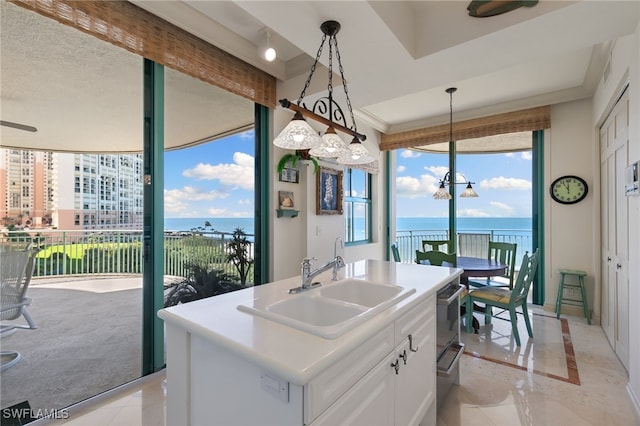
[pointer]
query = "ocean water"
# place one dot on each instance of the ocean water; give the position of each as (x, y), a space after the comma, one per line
(464, 224)
(220, 224)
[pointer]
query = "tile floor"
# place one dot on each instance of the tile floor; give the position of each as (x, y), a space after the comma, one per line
(567, 375)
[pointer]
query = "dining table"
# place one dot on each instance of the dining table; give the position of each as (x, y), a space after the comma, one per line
(478, 267)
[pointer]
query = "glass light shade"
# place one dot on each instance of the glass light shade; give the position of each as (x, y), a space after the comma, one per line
(442, 193)
(468, 192)
(298, 134)
(356, 154)
(332, 145)
(270, 54)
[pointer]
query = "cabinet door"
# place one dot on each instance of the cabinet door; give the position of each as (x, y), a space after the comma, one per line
(614, 144)
(369, 402)
(416, 379)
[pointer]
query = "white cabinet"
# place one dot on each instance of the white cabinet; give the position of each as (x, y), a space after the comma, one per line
(416, 378)
(399, 389)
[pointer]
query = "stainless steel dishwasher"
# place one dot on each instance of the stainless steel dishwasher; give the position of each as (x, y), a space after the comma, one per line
(449, 347)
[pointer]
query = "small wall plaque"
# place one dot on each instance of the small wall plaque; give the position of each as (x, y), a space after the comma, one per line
(289, 175)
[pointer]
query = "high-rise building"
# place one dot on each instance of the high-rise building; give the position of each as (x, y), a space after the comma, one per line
(26, 187)
(99, 191)
(71, 191)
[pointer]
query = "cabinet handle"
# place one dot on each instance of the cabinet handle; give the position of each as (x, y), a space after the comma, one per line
(411, 344)
(608, 259)
(403, 355)
(618, 266)
(396, 365)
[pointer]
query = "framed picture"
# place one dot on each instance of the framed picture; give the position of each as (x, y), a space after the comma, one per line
(285, 200)
(329, 191)
(289, 175)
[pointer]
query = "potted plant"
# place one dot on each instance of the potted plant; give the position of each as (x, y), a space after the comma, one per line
(293, 157)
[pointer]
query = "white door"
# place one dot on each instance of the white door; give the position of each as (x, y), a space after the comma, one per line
(615, 286)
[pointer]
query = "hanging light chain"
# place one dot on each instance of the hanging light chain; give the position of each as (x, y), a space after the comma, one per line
(313, 69)
(344, 85)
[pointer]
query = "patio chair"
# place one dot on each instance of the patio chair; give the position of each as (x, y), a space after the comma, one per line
(395, 252)
(473, 245)
(506, 299)
(16, 270)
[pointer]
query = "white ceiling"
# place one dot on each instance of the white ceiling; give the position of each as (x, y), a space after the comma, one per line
(398, 58)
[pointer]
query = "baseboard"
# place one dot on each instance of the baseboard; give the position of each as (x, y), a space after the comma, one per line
(574, 311)
(634, 399)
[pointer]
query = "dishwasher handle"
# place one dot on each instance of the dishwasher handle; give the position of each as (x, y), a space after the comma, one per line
(453, 297)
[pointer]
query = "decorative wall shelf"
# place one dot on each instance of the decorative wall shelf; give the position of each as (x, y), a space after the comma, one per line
(287, 212)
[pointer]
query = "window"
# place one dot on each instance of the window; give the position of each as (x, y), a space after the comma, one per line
(357, 206)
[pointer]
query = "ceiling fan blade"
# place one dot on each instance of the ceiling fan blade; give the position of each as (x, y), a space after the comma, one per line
(18, 126)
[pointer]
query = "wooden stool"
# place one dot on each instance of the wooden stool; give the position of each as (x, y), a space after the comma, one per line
(580, 284)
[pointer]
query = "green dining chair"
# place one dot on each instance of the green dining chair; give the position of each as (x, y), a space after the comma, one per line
(435, 245)
(395, 252)
(506, 299)
(503, 253)
(436, 258)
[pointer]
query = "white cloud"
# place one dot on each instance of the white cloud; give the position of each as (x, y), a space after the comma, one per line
(178, 201)
(525, 155)
(249, 134)
(502, 206)
(438, 171)
(401, 169)
(505, 184)
(411, 187)
(245, 201)
(217, 212)
(472, 213)
(240, 174)
(407, 153)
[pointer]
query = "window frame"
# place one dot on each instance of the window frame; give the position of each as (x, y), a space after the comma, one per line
(349, 203)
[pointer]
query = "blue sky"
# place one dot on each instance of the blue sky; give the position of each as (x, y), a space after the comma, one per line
(502, 181)
(211, 180)
(216, 180)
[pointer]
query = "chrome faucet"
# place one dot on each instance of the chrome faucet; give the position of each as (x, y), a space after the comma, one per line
(308, 275)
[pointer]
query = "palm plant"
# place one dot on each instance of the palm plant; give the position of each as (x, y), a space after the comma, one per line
(200, 283)
(293, 157)
(238, 254)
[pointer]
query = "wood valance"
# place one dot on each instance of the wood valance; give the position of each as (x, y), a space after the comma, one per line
(510, 122)
(136, 30)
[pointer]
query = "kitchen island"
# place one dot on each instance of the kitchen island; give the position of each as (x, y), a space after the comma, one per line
(228, 364)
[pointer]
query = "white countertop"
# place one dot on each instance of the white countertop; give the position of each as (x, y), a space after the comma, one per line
(295, 355)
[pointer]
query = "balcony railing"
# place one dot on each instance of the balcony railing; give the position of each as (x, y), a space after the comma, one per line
(476, 241)
(120, 252)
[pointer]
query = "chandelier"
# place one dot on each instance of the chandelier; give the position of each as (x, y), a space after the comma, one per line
(299, 135)
(442, 193)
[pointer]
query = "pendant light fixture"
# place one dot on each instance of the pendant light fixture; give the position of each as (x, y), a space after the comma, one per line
(442, 193)
(298, 133)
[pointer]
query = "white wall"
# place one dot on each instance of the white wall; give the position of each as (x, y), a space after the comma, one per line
(312, 235)
(571, 231)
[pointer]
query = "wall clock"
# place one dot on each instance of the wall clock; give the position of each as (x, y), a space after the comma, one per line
(569, 189)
